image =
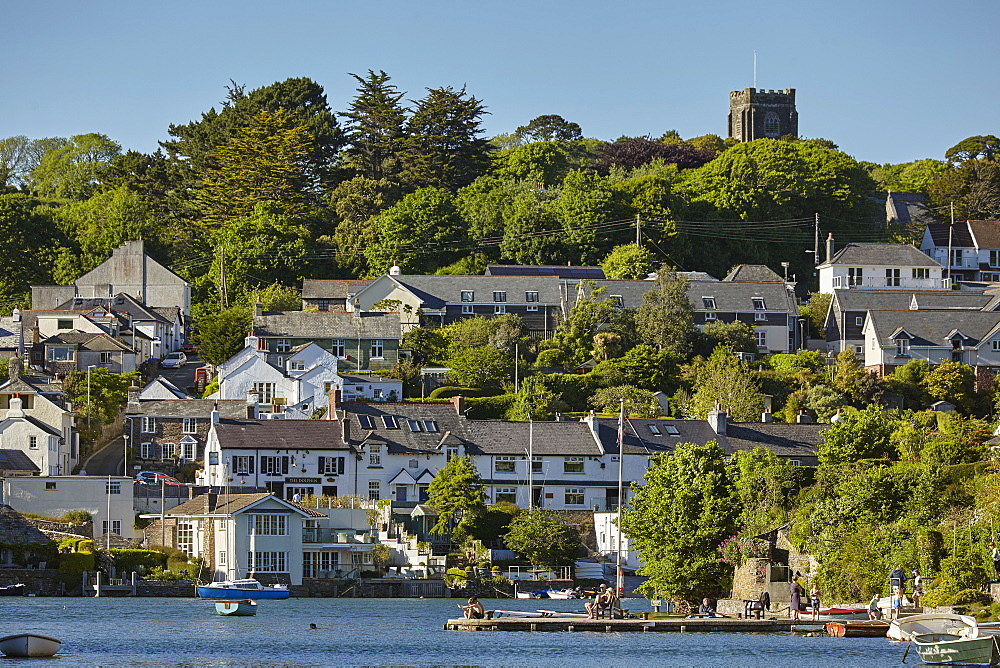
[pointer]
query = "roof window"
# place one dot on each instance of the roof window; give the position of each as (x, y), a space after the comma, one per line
(415, 425)
(390, 422)
(367, 421)
(654, 429)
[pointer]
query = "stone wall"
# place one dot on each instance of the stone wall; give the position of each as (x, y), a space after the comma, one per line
(40, 582)
(751, 579)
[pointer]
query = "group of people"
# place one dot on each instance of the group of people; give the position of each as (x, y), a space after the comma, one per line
(796, 593)
(606, 598)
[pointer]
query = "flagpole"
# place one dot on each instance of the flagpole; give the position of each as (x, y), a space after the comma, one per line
(619, 576)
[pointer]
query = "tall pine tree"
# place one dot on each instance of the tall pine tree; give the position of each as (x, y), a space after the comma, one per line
(376, 129)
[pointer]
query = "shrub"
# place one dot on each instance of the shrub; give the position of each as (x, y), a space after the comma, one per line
(448, 391)
(140, 561)
(489, 408)
(76, 516)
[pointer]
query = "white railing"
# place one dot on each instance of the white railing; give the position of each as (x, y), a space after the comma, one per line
(901, 283)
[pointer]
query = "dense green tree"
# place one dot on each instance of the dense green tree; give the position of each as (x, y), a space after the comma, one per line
(480, 367)
(666, 317)
(376, 130)
(724, 379)
(638, 403)
(544, 538)
(765, 488)
(107, 393)
(736, 334)
(107, 220)
(74, 169)
(824, 401)
(549, 128)
(540, 164)
(19, 157)
(864, 434)
(443, 147)
(419, 233)
(357, 201)
(585, 201)
(850, 378)
(591, 314)
(426, 345)
(914, 177)
(220, 335)
(953, 382)
(815, 310)
(535, 401)
(647, 367)
(908, 382)
(979, 147)
(677, 519)
(458, 493)
(973, 188)
(628, 262)
(29, 243)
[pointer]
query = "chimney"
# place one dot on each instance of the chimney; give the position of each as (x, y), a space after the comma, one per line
(251, 405)
(250, 341)
(803, 418)
(829, 247)
(16, 315)
(766, 417)
(357, 308)
(717, 420)
(258, 308)
(35, 338)
(215, 415)
(458, 401)
(133, 400)
(15, 410)
(333, 397)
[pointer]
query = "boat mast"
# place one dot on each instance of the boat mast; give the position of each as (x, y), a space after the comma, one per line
(619, 575)
(531, 463)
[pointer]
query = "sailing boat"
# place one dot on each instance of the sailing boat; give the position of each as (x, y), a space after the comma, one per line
(240, 588)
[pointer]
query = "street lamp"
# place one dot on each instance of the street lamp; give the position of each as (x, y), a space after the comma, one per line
(125, 453)
(89, 367)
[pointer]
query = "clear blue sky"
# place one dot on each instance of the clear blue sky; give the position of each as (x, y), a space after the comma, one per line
(887, 81)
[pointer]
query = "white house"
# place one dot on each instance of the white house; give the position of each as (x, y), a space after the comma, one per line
(974, 246)
(888, 266)
(108, 499)
(34, 419)
(297, 381)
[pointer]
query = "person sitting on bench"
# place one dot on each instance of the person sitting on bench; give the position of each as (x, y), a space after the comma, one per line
(599, 602)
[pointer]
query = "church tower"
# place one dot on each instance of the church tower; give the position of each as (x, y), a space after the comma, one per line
(756, 114)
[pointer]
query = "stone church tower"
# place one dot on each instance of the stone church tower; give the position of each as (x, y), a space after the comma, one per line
(756, 114)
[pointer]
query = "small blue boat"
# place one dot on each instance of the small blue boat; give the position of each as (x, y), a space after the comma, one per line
(236, 608)
(239, 589)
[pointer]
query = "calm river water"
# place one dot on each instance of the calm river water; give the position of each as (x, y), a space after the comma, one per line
(380, 632)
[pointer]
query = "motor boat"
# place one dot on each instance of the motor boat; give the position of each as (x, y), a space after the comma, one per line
(242, 588)
(936, 622)
(245, 607)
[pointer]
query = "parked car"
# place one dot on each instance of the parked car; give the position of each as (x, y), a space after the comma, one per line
(189, 349)
(155, 478)
(174, 360)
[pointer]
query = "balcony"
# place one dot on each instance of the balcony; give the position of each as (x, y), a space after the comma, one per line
(902, 283)
(345, 537)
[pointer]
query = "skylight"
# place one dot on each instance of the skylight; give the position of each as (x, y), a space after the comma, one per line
(390, 422)
(367, 421)
(415, 425)
(653, 428)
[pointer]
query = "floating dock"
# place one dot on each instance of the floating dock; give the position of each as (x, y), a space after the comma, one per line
(673, 625)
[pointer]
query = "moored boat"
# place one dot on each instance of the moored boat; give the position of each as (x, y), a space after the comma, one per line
(243, 588)
(935, 622)
(236, 607)
(869, 628)
(13, 590)
(945, 648)
(29, 645)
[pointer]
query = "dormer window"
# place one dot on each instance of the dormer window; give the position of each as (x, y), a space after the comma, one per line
(902, 347)
(64, 324)
(282, 345)
(468, 296)
(956, 343)
(654, 429)
(530, 297)
(499, 296)
(709, 303)
(617, 301)
(758, 304)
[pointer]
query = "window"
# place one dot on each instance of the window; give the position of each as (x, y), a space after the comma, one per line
(337, 348)
(504, 464)
(415, 425)
(855, 276)
(282, 346)
(268, 525)
(671, 430)
(331, 465)
(377, 349)
(468, 296)
(531, 307)
(115, 527)
(499, 309)
(390, 421)
(617, 301)
(508, 494)
(378, 394)
(758, 304)
(106, 358)
(709, 303)
(956, 256)
(243, 465)
(187, 450)
(62, 354)
(536, 464)
(189, 426)
(431, 426)
(761, 339)
(265, 392)
(145, 450)
(451, 452)
(323, 305)
(374, 455)
(760, 316)
(858, 350)
(50, 486)
(995, 343)
(574, 496)
(32, 442)
(499, 296)
(468, 309)
(859, 320)
(367, 421)
(710, 316)
(414, 464)
(112, 488)
(921, 273)
(185, 537)
(374, 490)
(654, 429)
(266, 562)
(167, 450)
(530, 297)
(892, 278)
(995, 258)
(64, 324)
(902, 347)
(222, 558)
(572, 464)
(148, 425)
(273, 465)
(296, 365)
(772, 125)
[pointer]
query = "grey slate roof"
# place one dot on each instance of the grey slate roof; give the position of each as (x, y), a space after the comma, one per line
(16, 460)
(436, 291)
(326, 325)
(906, 208)
(861, 299)
(283, 434)
(121, 303)
(10, 334)
(961, 237)
(890, 255)
(331, 289)
(15, 529)
(225, 504)
(403, 440)
(932, 328)
(986, 233)
(738, 297)
(753, 273)
(499, 437)
(234, 409)
(561, 271)
(631, 291)
(89, 341)
(950, 301)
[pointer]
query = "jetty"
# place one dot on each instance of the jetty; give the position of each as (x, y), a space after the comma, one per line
(672, 625)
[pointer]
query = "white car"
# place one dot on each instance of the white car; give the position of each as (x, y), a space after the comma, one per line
(174, 360)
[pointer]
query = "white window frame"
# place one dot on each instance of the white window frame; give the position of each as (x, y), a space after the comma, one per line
(296, 365)
(468, 309)
(902, 347)
(268, 524)
(167, 450)
(106, 358)
(570, 463)
(146, 450)
(761, 338)
(189, 426)
(531, 307)
(922, 272)
(267, 562)
(62, 354)
(148, 425)
(241, 464)
(265, 392)
(112, 487)
(378, 349)
(499, 296)
(32, 442)
(499, 309)
(374, 454)
(531, 296)
(571, 494)
(270, 465)
(374, 490)
(892, 278)
(338, 348)
(115, 527)
(995, 344)
(711, 316)
(859, 320)
(282, 345)
(185, 538)
(508, 494)
(509, 463)
(468, 295)
(188, 450)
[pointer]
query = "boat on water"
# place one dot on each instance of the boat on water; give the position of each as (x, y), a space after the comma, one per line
(935, 622)
(29, 645)
(242, 588)
(560, 594)
(841, 614)
(236, 607)
(868, 628)
(13, 590)
(945, 648)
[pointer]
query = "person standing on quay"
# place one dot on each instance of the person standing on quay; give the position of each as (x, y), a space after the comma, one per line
(795, 597)
(995, 556)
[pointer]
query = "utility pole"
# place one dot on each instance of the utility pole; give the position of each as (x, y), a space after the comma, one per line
(223, 297)
(638, 232)
(950, 229)
(816, 239)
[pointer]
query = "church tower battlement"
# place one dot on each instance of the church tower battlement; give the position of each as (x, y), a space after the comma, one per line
(756, 114)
